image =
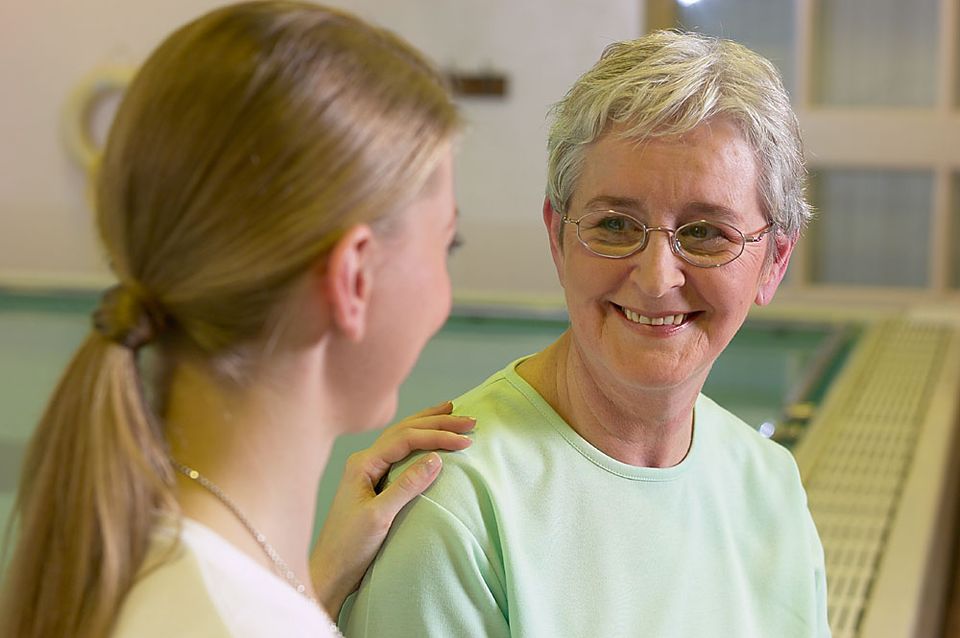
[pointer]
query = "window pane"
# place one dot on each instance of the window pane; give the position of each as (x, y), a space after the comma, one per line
(872, 227)
(766, 26)
(858, 63)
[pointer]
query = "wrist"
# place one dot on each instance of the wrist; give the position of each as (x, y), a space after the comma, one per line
(332, 605)
(331, 592)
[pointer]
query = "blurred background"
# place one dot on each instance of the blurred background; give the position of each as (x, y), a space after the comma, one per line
(874, 82)
(855, 367)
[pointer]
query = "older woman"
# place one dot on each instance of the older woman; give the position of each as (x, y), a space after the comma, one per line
(604, 495)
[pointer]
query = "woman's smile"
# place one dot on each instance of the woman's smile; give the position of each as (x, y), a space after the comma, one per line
(660, 319)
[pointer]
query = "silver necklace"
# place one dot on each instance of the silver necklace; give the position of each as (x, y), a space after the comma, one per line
(279, 564)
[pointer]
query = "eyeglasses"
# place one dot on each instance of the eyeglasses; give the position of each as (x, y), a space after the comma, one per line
(701, 243)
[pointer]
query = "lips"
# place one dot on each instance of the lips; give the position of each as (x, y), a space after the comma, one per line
(675, 319)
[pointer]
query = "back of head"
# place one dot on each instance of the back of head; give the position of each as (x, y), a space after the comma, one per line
(249, 141)
(667, 83)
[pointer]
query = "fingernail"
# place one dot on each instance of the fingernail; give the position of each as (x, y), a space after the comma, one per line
(430, 462)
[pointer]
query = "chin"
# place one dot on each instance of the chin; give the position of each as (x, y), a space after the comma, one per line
(653, 374)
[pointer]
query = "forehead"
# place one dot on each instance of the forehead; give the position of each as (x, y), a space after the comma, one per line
(711, 166)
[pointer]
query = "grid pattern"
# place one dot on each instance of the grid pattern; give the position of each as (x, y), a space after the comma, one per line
(870, 225)
(857, 66)
(867, 442)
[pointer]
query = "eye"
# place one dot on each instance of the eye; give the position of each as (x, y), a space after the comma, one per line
(700, 232)
(454, 244)
(615, 224)
(702, 238)
(610, 223)
(607, 232)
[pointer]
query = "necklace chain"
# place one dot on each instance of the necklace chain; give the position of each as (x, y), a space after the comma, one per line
(279, 564)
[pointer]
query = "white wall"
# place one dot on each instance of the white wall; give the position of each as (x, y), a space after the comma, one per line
(48, 46)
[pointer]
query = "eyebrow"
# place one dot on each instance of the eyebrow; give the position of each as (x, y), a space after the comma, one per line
(634, 205)
(713, 210)
(626, 204)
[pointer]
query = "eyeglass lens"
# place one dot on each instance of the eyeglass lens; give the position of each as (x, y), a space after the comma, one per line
(613, 234)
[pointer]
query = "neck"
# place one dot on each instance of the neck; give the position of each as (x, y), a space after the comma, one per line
(644, 427)
(264, 445)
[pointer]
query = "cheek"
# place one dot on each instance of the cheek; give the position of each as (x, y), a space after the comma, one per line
(588, 281)
(731, 296)
(432, 292)
(444, 300)
(587, 288)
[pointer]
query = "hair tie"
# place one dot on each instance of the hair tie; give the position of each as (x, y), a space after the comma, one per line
(128, 318)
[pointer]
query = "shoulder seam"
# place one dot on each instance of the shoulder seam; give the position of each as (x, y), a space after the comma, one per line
(460, 524)
(473, 538)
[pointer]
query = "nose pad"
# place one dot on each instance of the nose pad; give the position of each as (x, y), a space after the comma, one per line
(657, 268)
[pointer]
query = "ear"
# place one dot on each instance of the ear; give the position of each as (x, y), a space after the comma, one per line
(348, 280)
(776, 268)
(552, 220)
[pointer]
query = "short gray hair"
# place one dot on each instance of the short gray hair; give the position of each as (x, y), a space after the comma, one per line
(669, 82)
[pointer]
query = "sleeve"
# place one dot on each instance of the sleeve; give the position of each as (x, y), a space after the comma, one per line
(820, 582)
(815, 553)
(432, 578)
(821, 624)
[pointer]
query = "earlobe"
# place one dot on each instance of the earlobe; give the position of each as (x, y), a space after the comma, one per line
(552, 221)
(348, 281)
(775, 271)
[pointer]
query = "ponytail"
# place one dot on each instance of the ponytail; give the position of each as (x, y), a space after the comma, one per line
(95, 473)
(215, 194)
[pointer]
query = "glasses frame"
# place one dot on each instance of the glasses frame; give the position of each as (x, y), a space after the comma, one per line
(751, 238)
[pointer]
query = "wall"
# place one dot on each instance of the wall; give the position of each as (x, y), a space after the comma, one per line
(48, 46)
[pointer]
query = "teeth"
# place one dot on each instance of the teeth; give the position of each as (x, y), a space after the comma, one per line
(669, 320)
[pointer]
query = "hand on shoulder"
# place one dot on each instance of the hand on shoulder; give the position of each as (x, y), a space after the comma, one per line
(360, 517)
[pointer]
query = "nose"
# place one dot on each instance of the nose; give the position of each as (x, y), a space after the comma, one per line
(656, 269)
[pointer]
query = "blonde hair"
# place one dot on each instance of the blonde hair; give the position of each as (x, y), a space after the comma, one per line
(249, 141)
(667, 83)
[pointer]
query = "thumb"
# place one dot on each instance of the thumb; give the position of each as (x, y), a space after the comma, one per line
(411, 482)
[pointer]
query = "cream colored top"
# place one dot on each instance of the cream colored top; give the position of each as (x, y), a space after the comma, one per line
(207, 587)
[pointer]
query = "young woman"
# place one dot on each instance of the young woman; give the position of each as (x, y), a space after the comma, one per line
(276, 201)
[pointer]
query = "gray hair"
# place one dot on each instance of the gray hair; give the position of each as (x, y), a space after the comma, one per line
(667, 83)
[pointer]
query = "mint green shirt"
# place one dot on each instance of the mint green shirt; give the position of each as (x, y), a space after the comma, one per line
(534, 532)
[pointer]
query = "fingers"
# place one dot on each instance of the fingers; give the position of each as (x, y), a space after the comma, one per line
(438, 417)
(409, 484)
(443, 408)
(449, 422)
(431, 429)
(396, 446)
